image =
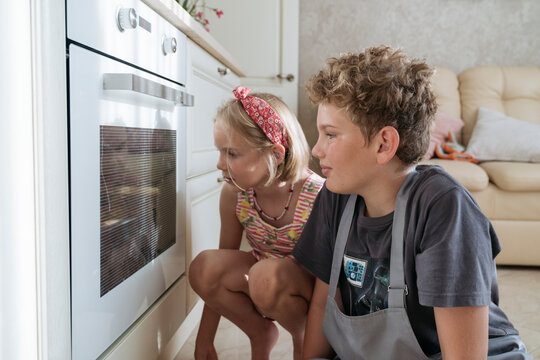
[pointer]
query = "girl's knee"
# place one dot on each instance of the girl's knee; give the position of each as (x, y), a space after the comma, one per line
(267, 282)
(203, 271)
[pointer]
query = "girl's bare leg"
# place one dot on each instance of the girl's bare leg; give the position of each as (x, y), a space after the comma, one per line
(281, 290)
(220, 278)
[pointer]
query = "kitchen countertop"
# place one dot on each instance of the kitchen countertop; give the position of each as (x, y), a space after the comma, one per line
(176, 15)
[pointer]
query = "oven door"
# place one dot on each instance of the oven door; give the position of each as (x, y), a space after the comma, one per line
(127, 194)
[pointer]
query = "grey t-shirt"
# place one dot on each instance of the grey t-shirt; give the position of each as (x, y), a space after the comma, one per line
(448, 254)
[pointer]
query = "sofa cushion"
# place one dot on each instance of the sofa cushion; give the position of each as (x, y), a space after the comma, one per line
(500, 137)
(498, 204)
(472, 176)
(513, 176)
(515, 236)
(512, 90)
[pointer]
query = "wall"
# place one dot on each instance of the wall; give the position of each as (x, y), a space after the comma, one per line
(453, 33)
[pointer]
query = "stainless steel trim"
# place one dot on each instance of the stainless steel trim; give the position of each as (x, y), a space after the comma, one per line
(132, 82)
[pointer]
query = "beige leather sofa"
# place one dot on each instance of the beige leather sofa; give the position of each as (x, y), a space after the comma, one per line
(507, 192)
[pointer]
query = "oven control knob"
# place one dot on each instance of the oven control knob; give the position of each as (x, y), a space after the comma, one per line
(127, 19)
(169, 45)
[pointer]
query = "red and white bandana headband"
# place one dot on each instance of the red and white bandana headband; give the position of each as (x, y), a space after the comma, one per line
(262, 113)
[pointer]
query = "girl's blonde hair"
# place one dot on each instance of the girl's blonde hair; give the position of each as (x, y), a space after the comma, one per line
(297, 155)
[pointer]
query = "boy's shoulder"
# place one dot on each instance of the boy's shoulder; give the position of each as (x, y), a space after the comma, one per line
(435, 179)
(433, 182)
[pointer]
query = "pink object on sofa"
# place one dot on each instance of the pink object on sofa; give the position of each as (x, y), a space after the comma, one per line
(443, 124)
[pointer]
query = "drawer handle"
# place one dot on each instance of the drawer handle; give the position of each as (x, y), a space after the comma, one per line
(222, 71)
(288, 77)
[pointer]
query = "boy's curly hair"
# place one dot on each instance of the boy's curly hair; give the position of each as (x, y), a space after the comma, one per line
(381, 87)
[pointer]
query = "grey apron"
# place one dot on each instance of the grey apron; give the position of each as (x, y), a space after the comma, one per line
(387, 334)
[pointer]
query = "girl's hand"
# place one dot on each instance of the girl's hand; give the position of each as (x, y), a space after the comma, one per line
(205, 351)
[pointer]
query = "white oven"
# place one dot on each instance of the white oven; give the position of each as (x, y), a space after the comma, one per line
(126, 72)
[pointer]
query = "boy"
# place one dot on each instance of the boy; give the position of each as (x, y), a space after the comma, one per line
(437, 295)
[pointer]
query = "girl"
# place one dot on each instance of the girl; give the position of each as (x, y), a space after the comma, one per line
(269, 193)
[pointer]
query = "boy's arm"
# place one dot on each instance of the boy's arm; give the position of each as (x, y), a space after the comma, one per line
(315, 343)
(463, 331)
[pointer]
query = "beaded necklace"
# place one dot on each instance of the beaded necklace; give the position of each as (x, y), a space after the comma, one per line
(275, 218)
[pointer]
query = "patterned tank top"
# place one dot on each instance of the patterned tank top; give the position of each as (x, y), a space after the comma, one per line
(266, 240)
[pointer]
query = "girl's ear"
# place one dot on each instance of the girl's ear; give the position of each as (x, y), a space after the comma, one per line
(278, 151)
(387, 140)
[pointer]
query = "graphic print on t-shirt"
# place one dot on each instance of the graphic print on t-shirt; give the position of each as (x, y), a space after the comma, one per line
(368, 284)
(355, 270)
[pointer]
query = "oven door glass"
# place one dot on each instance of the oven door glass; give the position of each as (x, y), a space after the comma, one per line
(137, 199)
(127, 185)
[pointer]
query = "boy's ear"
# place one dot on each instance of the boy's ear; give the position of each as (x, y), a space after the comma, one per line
(387, 140)
(278, 151)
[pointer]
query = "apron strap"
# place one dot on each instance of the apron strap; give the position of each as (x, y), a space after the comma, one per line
(341, 241)
(397, 290)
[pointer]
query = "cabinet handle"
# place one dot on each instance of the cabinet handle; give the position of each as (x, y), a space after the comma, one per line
(222, 71)
(288, 77)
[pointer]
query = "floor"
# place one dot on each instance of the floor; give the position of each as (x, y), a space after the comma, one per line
(519, 289)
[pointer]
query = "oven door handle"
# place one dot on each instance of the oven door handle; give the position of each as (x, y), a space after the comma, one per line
(132, 82)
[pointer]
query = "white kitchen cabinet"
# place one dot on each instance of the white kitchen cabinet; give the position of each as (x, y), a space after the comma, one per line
(203, 219)
(211, 83)
(263, 37)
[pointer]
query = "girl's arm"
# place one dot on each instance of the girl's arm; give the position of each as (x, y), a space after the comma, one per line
(315, 343)
(230, 238)
(463, 332)
(231, 229)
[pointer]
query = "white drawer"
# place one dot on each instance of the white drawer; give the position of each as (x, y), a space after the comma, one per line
(207, 65)
(201, 185)
(209, 97)
(203, 220)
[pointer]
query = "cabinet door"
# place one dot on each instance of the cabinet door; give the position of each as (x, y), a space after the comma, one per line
(211, 83)
(263, 37)
(203, 219)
